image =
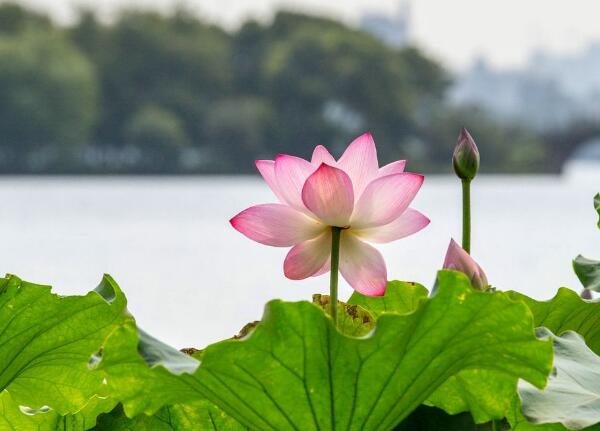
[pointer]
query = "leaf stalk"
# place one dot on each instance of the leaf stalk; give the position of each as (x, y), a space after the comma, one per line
(335, 264)
(466, 215)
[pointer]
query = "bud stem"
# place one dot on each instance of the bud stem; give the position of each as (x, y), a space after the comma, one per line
(466, 218)
(333, 277)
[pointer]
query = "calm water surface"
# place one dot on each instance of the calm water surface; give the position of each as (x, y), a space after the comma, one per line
(191, 279)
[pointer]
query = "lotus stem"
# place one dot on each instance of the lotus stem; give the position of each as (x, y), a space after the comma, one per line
(335, 263)
(466, 219)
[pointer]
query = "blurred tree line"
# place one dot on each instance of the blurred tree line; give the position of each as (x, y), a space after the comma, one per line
(148, 93)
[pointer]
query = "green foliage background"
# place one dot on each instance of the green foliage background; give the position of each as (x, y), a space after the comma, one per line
(151, 93)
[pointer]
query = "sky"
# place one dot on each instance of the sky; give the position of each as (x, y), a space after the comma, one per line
(457, 32)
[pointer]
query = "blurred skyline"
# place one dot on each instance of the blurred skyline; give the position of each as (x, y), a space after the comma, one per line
(174, 91)
(505, 33)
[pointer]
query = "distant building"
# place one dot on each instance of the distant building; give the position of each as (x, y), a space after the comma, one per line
(549, 92)
(578, 74)
(393, 30)
(538, 102)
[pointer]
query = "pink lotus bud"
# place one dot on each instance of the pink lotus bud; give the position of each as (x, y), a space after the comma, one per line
(459, 260)
(466, 156)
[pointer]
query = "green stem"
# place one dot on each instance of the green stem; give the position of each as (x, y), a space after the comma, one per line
(494, 427)
(466, 219)
(335, 263)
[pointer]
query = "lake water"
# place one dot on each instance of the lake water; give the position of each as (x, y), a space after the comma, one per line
(191, 279)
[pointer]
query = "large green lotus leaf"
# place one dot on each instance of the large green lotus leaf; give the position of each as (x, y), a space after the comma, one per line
(298, 372)
(486, 393)
(14, 417)
(588, 272)
(400, 298)
(572, 396)
(567, 311)
(137, 365)
(194, 416)
(46, 342)
(146, 376)
(295, 371)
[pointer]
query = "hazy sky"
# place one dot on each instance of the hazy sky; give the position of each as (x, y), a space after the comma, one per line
(456, 31)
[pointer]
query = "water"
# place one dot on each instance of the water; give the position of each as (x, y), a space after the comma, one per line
(191, 279)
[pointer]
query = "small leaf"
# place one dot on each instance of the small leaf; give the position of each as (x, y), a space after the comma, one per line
(352, 319)
(588, 272)
(572, 396)
(400, 297)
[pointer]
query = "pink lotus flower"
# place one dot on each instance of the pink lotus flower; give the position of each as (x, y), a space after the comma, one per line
(459, 260)
(370, 204)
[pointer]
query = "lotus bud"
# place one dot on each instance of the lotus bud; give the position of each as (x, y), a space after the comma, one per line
(459, 260)
(466, 156)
